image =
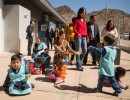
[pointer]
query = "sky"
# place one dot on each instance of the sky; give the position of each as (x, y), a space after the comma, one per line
(93, 5)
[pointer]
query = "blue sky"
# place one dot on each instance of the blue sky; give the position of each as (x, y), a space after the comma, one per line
(93, 5)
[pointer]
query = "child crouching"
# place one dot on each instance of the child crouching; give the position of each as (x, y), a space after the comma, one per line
(47, 58)
(59, 73)
(36, 66)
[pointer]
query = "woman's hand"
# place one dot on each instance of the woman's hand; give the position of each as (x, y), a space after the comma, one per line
(88, 40)
(66, 52)
(78, 53)
(79, 36)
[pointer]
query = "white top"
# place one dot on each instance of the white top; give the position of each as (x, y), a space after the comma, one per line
(105, 32)
(92, 28)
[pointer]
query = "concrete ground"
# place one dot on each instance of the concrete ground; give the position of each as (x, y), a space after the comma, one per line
(78, 85)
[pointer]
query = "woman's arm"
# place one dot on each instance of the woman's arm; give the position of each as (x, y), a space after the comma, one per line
(75, 25)
(70, 49)
(57, 48)
(103, 32)
(116, 33)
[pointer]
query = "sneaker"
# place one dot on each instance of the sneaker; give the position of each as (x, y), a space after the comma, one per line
(115, 94)
(58, 82)
(80, 69)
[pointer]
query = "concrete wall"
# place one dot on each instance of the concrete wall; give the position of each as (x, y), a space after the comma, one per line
(1, 27)
(11, 28)
(15, 25)
(35, 11)
(23, 23)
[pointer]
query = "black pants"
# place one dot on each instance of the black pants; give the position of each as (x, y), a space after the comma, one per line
(30, 42)
(92, 43)
(72, 44)
(49, 40)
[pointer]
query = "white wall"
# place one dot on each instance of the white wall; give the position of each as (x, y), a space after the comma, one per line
(1, 27)
(15, 28)
(23, 23)
(11, 28)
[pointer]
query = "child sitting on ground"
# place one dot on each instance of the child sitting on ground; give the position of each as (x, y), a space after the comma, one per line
(106, 65)
(16, 82)
(46, 57)
(36, 66)
(60, 67)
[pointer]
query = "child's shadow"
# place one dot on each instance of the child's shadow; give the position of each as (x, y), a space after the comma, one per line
(43, 79)
(81, 88)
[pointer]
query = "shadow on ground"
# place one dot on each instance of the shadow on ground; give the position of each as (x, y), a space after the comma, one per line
(43, 79)
(81, 88)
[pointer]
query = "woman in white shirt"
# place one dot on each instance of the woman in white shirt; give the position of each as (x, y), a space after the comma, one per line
(110, 29)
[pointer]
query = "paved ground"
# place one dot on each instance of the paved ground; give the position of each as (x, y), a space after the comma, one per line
(78, 85)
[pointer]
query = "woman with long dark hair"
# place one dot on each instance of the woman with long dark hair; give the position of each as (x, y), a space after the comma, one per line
(81, 36)
(110, 29)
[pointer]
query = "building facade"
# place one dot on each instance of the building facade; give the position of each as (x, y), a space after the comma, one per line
(15, 16)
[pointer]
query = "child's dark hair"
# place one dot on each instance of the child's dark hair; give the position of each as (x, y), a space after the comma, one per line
(35, 50)
(110, 39)
(59, 55)
(46, 49)
(16, 57)
(119, 72)
(39, 60)
(19, 54)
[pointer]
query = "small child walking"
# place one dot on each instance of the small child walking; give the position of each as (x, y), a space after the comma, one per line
(106, 64)
(60, 67)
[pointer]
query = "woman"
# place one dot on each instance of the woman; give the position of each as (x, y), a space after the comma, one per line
(81, 36)
(110, 29)
(62, 46)
(39, 46)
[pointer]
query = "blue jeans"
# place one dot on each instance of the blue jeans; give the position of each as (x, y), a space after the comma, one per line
(112, 80)
(80, 43)
(67, 61)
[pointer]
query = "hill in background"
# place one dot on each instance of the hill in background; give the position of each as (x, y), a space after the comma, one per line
(120, 18)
